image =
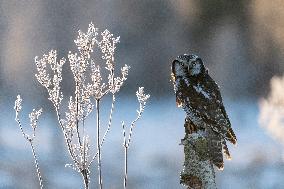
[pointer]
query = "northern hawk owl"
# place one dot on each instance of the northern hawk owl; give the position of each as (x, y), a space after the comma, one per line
(200, 97)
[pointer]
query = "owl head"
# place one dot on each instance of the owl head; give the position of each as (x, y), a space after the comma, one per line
(187, 64)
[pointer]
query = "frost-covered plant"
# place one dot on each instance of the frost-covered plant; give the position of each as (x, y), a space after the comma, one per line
(142, 99)
(89, 91)
(272, 110)
(34, 115)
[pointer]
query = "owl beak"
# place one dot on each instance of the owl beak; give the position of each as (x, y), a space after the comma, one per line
(189, 68)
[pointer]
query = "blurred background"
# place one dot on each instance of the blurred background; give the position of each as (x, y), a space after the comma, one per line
(241, 42)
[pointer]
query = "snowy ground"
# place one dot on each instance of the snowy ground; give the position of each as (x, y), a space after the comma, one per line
(155, 156)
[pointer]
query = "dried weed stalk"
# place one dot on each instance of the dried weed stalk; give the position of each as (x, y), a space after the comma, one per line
(89, 91)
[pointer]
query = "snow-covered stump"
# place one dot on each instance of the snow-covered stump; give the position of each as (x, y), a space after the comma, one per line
(198, 171)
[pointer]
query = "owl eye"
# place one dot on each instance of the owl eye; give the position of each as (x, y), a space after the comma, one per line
(182, 64)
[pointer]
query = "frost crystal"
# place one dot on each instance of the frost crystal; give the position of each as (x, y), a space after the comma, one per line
(18, 104)
(52, 85)
(108, 46)
(34, 115)
(78, 66)
(86, 41)
(97, 88)
(142, 98)
(118, 81)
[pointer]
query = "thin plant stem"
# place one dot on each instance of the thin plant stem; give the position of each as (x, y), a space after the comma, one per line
(126, 143)
(36, 164)
(30, 140)
(98, 142)
(85, 172)
(107, 130)
(131, 128)
(69, 147)
(77, 113)
(126, 146)
(109, 121)
(125, 156)
(67, 141)
(85, 178)
(85, 175)
(21, 128)
(125, 167)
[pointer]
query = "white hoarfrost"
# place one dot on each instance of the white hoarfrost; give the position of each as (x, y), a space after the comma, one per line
(272, 110)
(89, 91)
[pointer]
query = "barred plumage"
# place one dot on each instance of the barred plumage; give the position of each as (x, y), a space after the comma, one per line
(200, 97)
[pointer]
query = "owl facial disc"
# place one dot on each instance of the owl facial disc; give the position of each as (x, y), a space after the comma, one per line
(187, 64)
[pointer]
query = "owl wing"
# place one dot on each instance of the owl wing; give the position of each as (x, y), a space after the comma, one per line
(203, 99)
(221, 118)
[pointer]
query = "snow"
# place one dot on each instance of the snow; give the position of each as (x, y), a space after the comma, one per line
(155, 156)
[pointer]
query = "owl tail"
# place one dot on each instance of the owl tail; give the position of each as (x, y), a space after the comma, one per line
(230, 136)
(215, 149)
(226, 150)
